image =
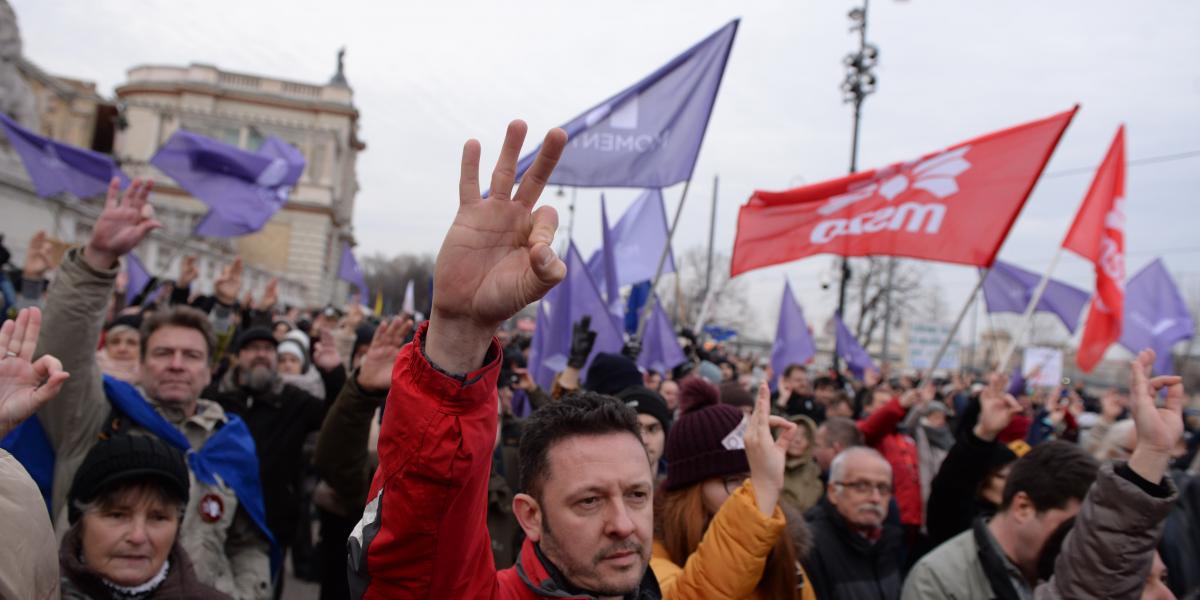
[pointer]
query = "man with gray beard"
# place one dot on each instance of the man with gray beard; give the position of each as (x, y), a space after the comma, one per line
(280, 416)
(856, 554)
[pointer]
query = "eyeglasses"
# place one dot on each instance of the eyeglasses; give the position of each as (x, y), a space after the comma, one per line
(865, 487)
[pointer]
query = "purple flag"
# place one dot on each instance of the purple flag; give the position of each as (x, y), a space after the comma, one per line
(793, 341)
(637, 239)
(660, 346)
(649, 134)
(1156, 316)
(540, 347)
(1009, 288)
(138, 277)
(349, 271)
(858, 359)
(569, 301)
(55, 167)
(612, 287)
(242, 189)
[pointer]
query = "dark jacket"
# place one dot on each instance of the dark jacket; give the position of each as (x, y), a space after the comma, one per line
(279, 421)
(844, 565)
(954, 500)
(81, 583)
(798, 404)
(1180, 544)
(342, 458)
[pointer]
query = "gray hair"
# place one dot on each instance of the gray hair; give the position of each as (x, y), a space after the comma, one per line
(837, 469)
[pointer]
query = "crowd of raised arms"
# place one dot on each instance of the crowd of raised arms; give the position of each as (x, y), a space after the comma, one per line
(184, 448)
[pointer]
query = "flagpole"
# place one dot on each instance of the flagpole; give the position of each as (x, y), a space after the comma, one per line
(662, 261)
(1027, 318)
(708, 291)
(712, 229)
(859, 82)
(958, 322)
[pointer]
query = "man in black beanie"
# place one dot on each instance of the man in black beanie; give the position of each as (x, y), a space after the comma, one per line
(653, 417)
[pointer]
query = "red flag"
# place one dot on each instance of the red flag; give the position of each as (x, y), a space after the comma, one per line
(955, 206)
(1098, 234)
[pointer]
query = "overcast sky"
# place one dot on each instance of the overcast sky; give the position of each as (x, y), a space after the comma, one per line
(428, 76)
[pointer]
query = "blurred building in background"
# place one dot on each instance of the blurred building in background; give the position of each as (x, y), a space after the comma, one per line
(301, 244)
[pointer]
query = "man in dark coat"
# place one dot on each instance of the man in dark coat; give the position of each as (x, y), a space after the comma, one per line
(856, 553)
(280, 416)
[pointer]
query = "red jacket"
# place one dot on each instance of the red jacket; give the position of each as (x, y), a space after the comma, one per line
(880, 432)
(424, 532)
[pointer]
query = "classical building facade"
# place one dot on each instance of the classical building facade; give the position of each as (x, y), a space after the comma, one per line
(305, 238)
(300, 245)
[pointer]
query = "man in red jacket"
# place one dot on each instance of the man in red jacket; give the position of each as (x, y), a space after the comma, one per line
(587, 511)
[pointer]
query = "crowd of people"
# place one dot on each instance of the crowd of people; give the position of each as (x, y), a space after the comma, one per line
(185, 446)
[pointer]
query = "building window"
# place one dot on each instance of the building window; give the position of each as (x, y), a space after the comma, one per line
(254, 139)
(316, 163)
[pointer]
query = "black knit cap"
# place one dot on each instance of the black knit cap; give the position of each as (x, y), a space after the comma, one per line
(704, 442)
(124, 459)
(647, 402)
(131, 321)
(254, 334)
(610, 374)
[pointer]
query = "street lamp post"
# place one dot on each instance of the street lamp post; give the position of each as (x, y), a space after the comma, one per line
(858, 84)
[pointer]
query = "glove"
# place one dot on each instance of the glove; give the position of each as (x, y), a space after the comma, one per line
(632, 349)
(582, 340)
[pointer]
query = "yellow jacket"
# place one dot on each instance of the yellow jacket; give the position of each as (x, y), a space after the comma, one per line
(731, 556)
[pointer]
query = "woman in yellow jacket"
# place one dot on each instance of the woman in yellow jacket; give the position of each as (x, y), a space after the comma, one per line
(719, 532)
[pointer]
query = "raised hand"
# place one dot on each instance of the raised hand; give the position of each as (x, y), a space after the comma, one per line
(1158, 429)
(325, 352)
(228, 285)
(767, 456)
(38, 258)
(126, 220)
(496, 257)
(188, 272)
(25, 385)
(1112, 404)
(997, 408)
(270, 295)
(375, 370)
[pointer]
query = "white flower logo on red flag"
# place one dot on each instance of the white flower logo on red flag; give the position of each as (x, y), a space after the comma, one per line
(935, 175)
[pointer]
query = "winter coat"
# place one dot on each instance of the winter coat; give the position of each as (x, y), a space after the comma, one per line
(802, 485)
(730, 559)
(1107, 554)
(954, 501)
(28, 565)
(279, 419)
(81, 583)
(843, 565)
(881, 432)
(230, 552)
(1180, 544)
(341, 457)
(423, 533)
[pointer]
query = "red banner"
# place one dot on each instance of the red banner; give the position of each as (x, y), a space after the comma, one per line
(953, 206)
(1098, 234)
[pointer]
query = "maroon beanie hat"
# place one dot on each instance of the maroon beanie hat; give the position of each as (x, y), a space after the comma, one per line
(707, 438)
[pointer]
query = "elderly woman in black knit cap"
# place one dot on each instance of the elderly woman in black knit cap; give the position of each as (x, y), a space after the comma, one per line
(126, 504)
